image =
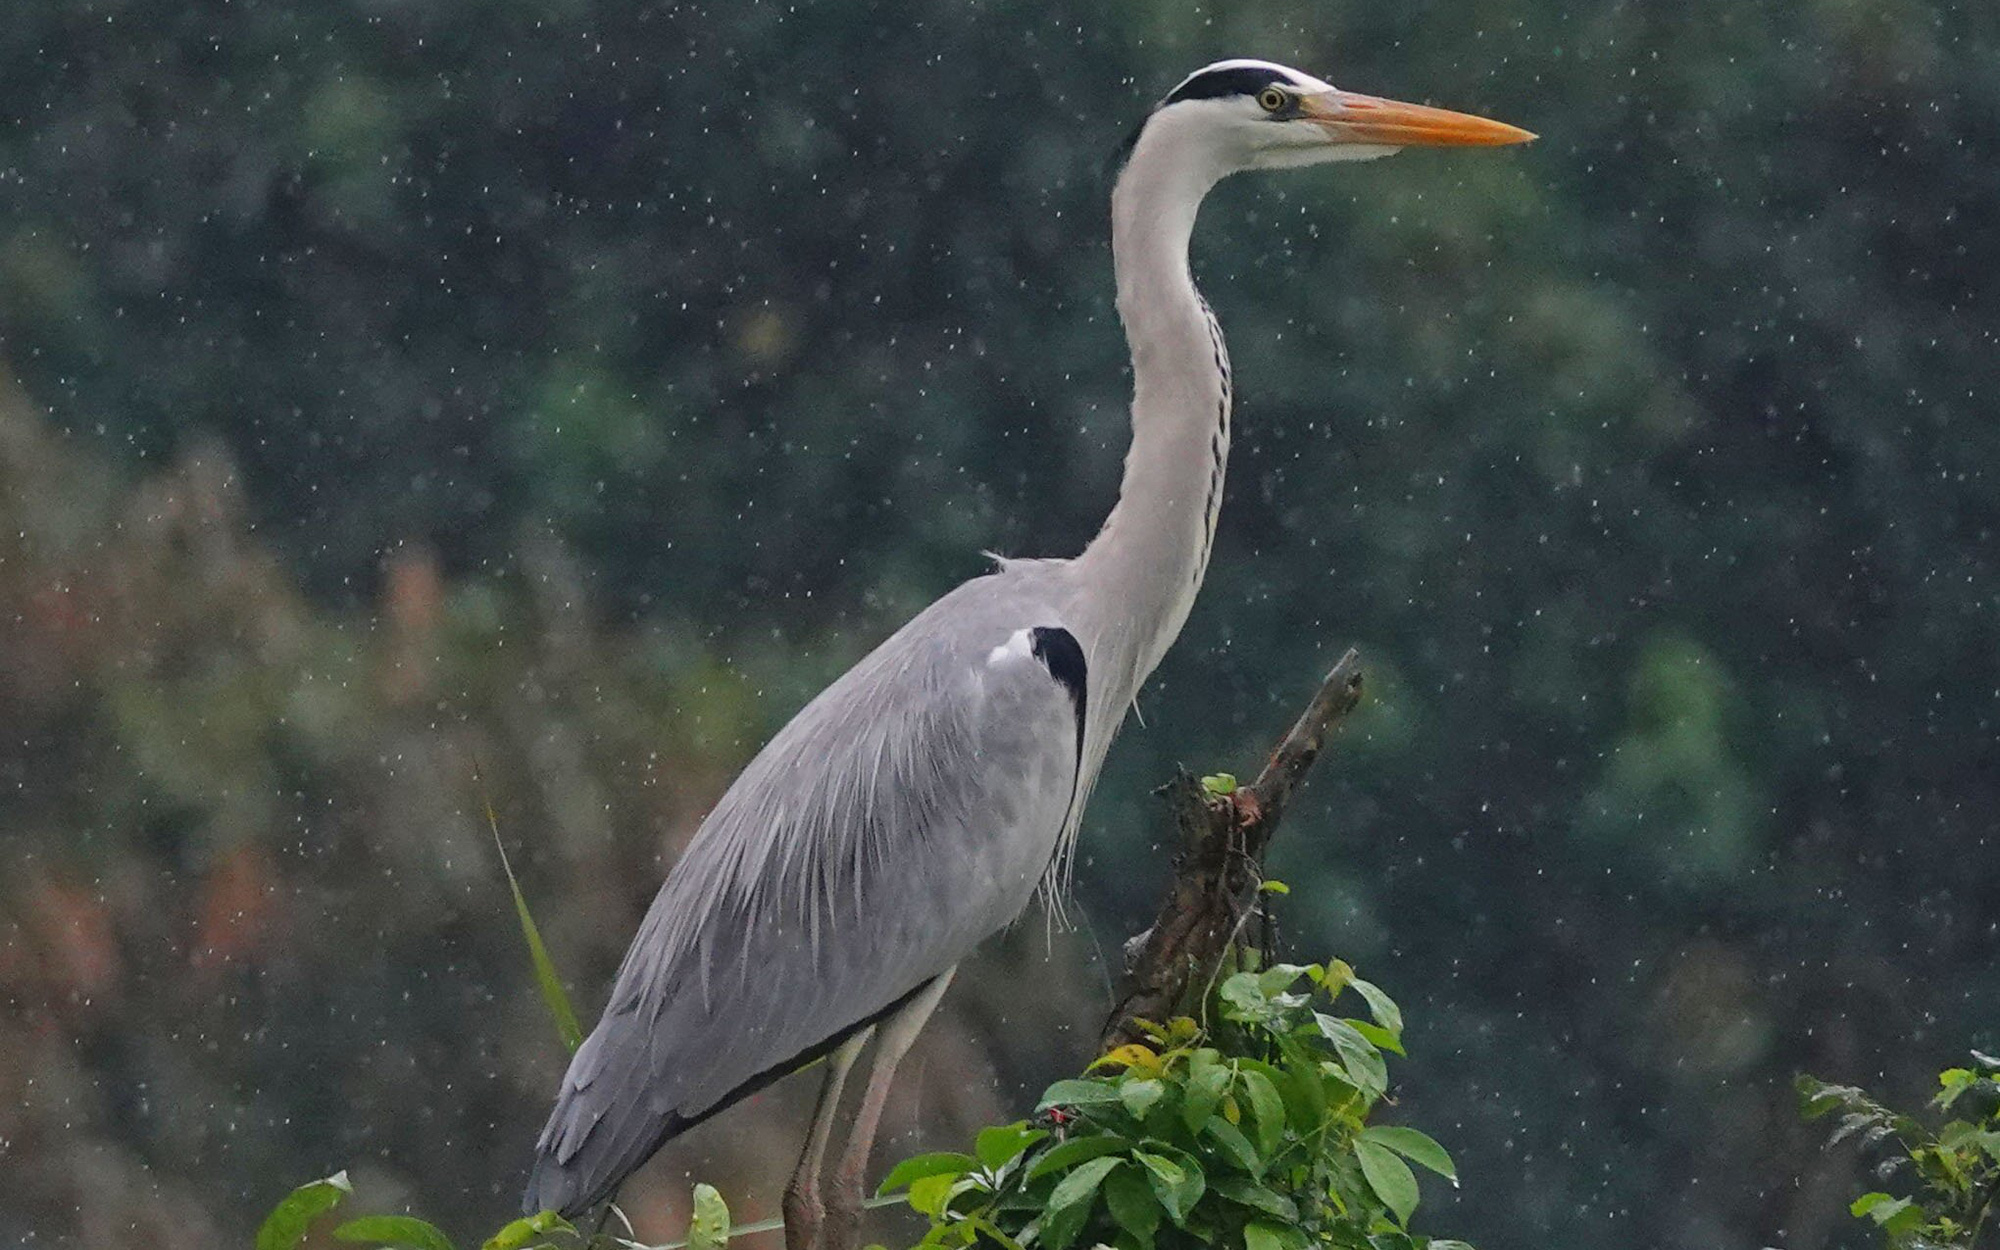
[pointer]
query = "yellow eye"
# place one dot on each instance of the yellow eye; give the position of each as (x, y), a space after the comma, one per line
(1272, 100)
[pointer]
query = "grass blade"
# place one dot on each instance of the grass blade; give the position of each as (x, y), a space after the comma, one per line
(545, 969)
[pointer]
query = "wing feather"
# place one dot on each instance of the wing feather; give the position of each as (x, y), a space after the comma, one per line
(903, 816)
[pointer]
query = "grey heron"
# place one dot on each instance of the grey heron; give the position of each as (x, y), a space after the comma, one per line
(911, 809)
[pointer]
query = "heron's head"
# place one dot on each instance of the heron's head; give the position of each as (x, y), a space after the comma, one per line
(1246, 114)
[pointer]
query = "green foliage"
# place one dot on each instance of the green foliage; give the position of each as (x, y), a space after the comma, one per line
(1955, 1169)
(1250, 1132)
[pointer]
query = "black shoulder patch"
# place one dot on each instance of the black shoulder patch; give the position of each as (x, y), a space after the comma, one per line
(1239, 80)
(1060, 653)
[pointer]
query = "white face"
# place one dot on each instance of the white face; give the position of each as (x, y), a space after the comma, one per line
(1261, 115)
(1272, 138)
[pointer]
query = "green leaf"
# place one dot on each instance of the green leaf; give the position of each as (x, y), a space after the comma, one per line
(1380, 1037)
(929, 1194)
(996, 1147)
(1854, 1122)
(1133, 1205)
(1163, 1169)
(918, 1167)
(1078, 1094)
(1381, 1006)
(1991, 1145)
(1267, 1110)
(1246, 1192)
(1069, 1204)
(1278, 978)
(1234, 1145)
(1905, 1222)
(1140, 1096)
(1358, 1055)
(1178, 1184)
(524, 1231)
(1074, 1151)
(1895, 1216)
(1305, 1096)
(1956, 1078)
(1239, 990)
(1271, 885)
(1338, 973)
(1814, 1100)
(553, 995)
(1208, 1080)
(984, 1227)
(1219, 784)
(286, 1225)
(1817, 1098)
(708, 1229)
(1389, 1177)
(1262, 1236)
(394, 1230)
(1417, 1147)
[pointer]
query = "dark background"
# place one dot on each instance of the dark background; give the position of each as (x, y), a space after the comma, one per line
(576, 387)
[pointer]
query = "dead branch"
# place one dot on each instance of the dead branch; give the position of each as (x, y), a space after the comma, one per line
(1220, 867)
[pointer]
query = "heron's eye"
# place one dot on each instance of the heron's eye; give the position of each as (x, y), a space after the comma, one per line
(1273, 100)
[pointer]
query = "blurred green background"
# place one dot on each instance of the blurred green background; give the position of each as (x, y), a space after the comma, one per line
(577, 386)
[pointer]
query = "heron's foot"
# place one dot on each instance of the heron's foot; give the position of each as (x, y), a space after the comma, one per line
(805, 1216)
(842, 1229)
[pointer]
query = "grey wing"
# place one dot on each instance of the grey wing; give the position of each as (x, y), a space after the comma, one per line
(904, 815)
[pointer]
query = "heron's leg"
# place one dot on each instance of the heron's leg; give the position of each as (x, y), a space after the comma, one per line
(893, 1038)
(804, 1210)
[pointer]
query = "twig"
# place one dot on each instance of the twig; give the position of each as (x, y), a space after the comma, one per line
(1288, 765)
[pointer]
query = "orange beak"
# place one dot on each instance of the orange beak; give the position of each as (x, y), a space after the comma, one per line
(1351, 118)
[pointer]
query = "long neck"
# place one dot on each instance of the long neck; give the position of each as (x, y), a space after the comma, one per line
(1144, 567)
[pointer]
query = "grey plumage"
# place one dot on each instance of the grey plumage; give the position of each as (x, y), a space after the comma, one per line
(905, 814)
